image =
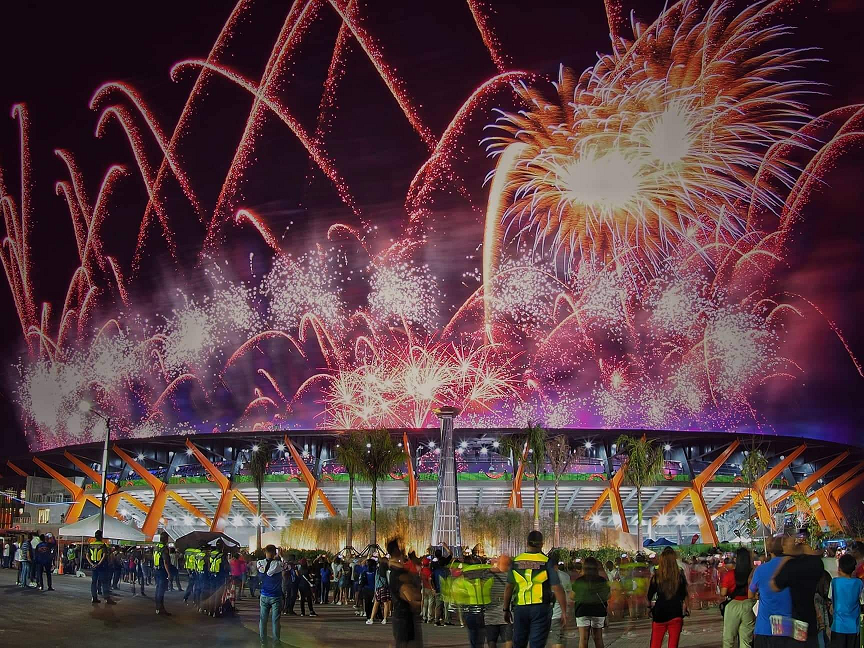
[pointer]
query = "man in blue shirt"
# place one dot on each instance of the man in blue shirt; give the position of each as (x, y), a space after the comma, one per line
(845, 594)
(771, 603)
(43, 563)
(270, 577)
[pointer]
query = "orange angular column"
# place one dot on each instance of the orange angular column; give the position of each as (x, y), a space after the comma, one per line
(111, 488)
(613, 492)
(160, 493)
(223, 508)
(413, 497)
(16, 468)
(79, 498)
(828, 502)
(804, 485)
(762, 508)
(703, 515)
(515, 500)
(311, 483)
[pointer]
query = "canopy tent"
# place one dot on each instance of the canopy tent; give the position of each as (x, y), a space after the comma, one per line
(197, 538)
(113, 529)
(663, 542)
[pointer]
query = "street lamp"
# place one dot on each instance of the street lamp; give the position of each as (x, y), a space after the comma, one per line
(86, 407)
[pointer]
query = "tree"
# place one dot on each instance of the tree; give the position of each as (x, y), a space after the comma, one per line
(351, 454)
(258, 470)
(529, 451)
(806, 517)
(754, 466)
(644, 467)
(560, 457)
(380, 458)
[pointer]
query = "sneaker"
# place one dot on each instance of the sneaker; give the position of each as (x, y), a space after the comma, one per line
(51, 589)
(96, 601)
(110, 602)
(312, 614)
(369, 622)
(383, 621)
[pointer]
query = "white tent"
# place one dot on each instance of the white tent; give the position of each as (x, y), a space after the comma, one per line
(113, 529)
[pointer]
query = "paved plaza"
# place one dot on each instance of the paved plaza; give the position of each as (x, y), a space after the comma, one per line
(32, 619)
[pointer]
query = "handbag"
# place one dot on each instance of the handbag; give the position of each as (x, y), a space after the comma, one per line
(723, 605)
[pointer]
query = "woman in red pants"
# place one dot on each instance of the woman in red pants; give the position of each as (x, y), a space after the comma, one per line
(667, 594)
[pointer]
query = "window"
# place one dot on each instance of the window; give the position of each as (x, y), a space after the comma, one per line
(44, 516)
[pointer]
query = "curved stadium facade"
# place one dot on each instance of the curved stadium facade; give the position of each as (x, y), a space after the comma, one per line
(193, 483)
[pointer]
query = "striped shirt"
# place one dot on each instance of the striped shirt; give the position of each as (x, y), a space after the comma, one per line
(494, 614)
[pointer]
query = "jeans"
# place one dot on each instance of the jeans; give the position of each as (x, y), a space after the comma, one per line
(531, 624)
(175, 578)
(325, 592)
(270, 605)
(115, 583)
(253, 584)
(138, 577)
(738, 620)
(24, 579)
(99, 579)
(190, 588)
(43, 569)
(658, 630)
(161, 586)
(476, 629)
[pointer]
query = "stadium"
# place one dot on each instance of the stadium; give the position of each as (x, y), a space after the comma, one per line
(630, 242)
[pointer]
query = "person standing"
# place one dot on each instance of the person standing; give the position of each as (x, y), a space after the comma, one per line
(382, 594)
(289, 585)
(43, 563)
(270, 601)
(26, 560)
(138, 570)
(557, 636)
(404, 587)
(99, 559)
(800, 572)
(845, 594)
(174, 570)
(591, 594)
(534, 581)
(771, 602)
(191, 556)
(326, 576)
(162, 567)
(7, 555)
(668, 591)
(304, 588)
(738, 617)
(499, 633)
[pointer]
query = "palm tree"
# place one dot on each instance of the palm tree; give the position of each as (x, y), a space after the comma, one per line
(560, 457)
(529, 451)
(351, 453)
(258, 469)
(644, 467)
(380, 458)
(754, 465)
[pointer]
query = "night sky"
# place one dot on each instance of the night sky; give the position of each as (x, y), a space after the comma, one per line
(56, 54)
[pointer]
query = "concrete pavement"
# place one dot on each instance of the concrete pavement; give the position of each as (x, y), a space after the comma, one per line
(65, 618)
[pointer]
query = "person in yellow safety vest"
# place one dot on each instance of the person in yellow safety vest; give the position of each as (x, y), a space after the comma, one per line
(191, 556)
(162, 567)
(471, 590)
(99, 555)
(534, 582)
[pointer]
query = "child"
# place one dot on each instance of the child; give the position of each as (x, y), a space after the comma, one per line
(845, 595)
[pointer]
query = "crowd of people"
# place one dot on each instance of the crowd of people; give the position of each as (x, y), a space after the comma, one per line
(783, 599)
(34, 556)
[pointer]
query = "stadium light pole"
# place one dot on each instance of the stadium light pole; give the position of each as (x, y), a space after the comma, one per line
(86, 407)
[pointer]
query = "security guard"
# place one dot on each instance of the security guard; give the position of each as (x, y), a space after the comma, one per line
(191, 559)
(162, 566)
(471, 589)
(101, 561)
(217, 569)
(534, 580)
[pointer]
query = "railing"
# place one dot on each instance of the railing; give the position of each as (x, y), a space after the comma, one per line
(52, 498)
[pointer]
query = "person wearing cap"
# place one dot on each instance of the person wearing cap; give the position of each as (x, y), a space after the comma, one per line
(534, 582)
(427, 606)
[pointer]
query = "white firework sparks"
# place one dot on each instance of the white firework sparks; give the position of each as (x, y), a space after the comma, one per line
(404, 290)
